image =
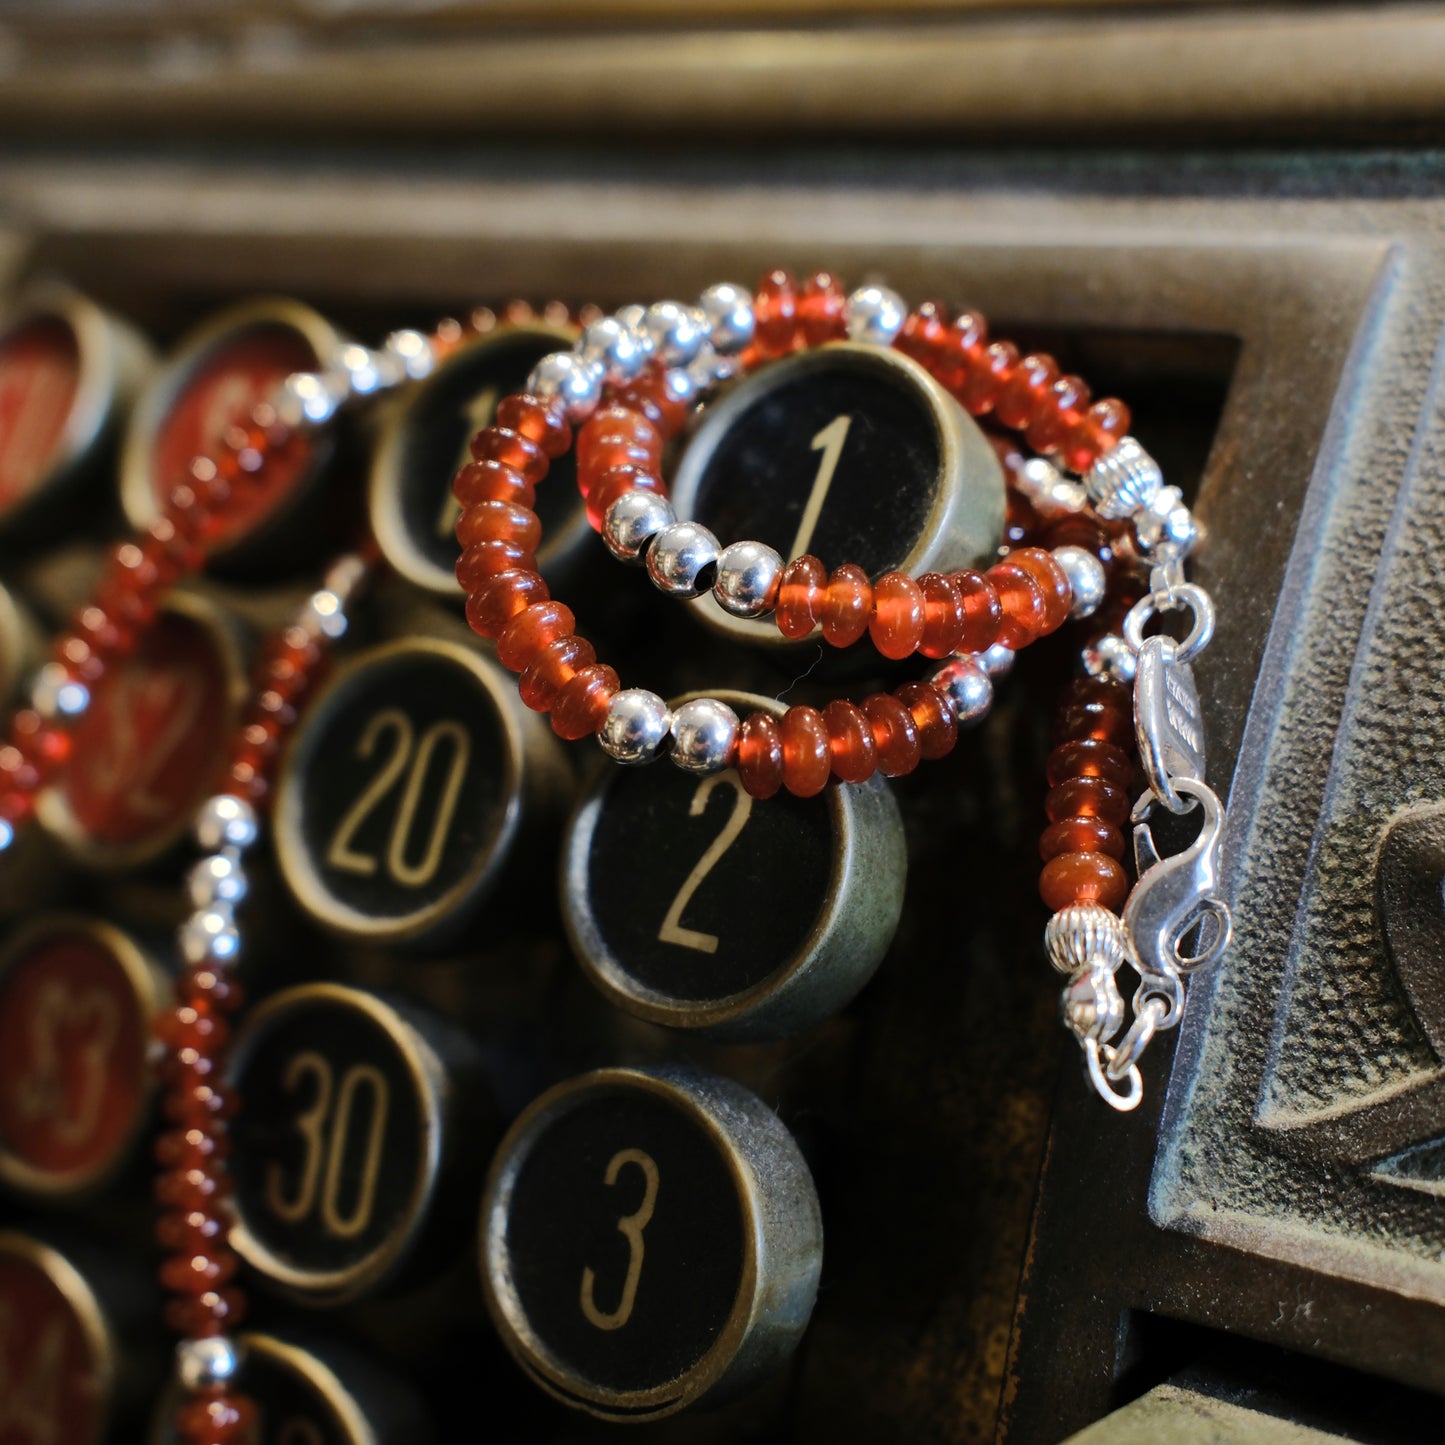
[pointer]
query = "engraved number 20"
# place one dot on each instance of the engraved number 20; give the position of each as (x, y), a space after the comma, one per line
(630, 1226)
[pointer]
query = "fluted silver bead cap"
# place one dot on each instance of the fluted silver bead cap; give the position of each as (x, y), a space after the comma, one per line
(969, 688)
(874, 315)
(1123, 480)
(637, 727)
(1084, 936)
(704, 736)
(632, 521)
(730, 318)
(680, 557)
(747, 578)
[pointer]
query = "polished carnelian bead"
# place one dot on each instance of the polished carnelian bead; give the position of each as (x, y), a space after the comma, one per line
(1061, 410)
(615, 483)
(1076, 530)
(198, 1102)
(493, 606)
(1081, 835)
(499, 522)
(1087, 798)
(612, 452)
(581, 706)
(895, 734)
(1083, 878)
(1089, 758)
(942, 615)
(192, 1026)
(1095, 433)
(847, 606)
(16, 804)
(963, 351)
(512, 449)
(924, 334)
(1024, 605)
(775, 309)
(807, 759)
(219, 1419)
(935, 716)
(898, 615)
(539, 419)
(552, 669)
(212, 1313)
(1026, 392)
(530, 631)
(615, 420)
(484, 560)
(194, 1188)
(820, 309)
(801, 590)
(191, 1229)
(760, 755)
(851, 748)
(1053, 583)
(983, 383)
(196, 1273)
(213, 985)
(1095, 708)
(492, 482)
(192, 1148)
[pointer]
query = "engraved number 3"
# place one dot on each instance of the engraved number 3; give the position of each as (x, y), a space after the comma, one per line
(631, 1226)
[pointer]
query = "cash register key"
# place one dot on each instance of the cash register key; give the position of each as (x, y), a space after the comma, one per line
(152, 743)
(649, 1237)
(77, 998)
(426, 439)
(406, 789)
(850, 453)
(364, 1117)
(313, 1390)
(68, 372)
(690, 904)
(213, 381)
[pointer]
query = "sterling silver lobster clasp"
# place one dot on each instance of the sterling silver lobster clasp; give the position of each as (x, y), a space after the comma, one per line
(1174, 895)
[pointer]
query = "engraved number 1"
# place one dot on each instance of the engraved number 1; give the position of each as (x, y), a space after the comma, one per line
(829, 441)
(631, 1227)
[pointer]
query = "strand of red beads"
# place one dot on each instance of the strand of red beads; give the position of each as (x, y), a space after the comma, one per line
(195, 1186)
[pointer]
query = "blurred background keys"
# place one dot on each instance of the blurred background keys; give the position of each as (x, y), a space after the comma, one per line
(361, 1147)
(649, 1237)
(77, 1000)
(407, 789)
(690, 904)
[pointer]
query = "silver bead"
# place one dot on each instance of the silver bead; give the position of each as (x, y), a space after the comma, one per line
(704, 736)
(730, 318)
(997, 661)
(411, 351)
(679, 557)
(679, 384)
(7, 834)
(637, 728)
(710, 370)
(209, 936)
(1112, 658)
(345, 576)
(55, 693)
(1165, 528)
(678, 333)
(747, 578)
(632, 317)
(1123, 480)
(225, 822)
(217, 879)
(1084, 936)
(615, 347)
(1049, 492)
(875, 315)
(368, 371)
(968, 686)
(566, 375)
(632, 521)
(205, 1363)
(1092, 1006)
(324, 615)
(1086, 579)
(308, 399)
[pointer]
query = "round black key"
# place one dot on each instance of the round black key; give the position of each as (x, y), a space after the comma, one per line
(851, 453)
(413, 512)
(648, 1237)
(353, 1106)
(313, 1391)
(691, 904)
(404, 790)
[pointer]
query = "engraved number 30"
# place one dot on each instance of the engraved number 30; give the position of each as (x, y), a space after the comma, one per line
(631, 1227)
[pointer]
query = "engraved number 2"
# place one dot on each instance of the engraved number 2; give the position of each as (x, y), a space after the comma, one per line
(672, 930)
(829, 441)
(631, 1227)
